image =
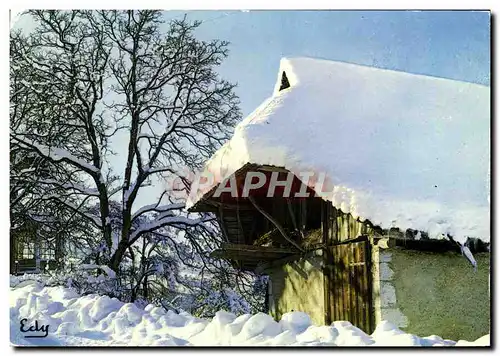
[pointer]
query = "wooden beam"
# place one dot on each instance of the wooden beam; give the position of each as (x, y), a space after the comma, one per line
(292, 216)
(240, 252)
(257, 249)
(240, 225)
(275, 223)
(229, 206)
(252, 231)
(268, 168)
(431, 245)
(222, 224)
(303, 214)
(325, 220)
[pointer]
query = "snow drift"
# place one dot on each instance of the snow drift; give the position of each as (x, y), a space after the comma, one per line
(398, 149)
(94, 320)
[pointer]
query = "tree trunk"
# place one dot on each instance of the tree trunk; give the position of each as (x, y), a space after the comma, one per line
(145, 287)
(104, 212)
(117, 257)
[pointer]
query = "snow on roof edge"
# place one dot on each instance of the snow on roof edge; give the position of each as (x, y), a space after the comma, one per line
(248, 145)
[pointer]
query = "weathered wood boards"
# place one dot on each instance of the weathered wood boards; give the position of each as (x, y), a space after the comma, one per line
(348, 284)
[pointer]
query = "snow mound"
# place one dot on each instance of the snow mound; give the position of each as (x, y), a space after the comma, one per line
(94, 320)
(295, 321)
(396, 148)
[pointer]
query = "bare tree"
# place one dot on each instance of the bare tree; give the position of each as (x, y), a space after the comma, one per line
(97, 75)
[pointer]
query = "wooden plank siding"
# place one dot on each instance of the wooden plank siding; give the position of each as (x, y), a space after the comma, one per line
(348, 295)
(347, 268)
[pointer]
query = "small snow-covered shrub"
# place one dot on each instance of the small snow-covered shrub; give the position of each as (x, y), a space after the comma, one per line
(207, 296)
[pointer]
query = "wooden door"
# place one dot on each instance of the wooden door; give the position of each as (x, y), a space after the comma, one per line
(348, 294)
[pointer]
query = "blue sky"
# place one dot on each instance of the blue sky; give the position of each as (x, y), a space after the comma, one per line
(450, 44)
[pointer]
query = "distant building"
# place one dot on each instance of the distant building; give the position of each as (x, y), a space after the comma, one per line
(29, 253)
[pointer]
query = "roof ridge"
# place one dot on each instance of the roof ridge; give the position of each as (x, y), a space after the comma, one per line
(291, 59)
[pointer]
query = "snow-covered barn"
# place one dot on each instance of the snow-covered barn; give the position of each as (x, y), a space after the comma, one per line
(359, 191)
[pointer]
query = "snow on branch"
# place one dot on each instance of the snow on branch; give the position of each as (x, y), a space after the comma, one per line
(146, 135)
(114, 191)
(158, 170)
(157, 208)
(23, 171)
(104, 268)
(165, 219)
(80, 188)
(57, 154)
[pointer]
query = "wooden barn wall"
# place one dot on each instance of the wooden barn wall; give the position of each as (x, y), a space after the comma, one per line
(339, 226)
(302, 285)
(348, 284)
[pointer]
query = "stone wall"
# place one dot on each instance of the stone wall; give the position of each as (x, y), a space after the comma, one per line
(389, 309)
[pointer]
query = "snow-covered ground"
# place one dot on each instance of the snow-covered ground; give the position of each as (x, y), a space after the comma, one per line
(94, 320)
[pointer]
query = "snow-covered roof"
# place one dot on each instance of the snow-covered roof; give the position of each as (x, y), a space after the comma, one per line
(398, 149)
